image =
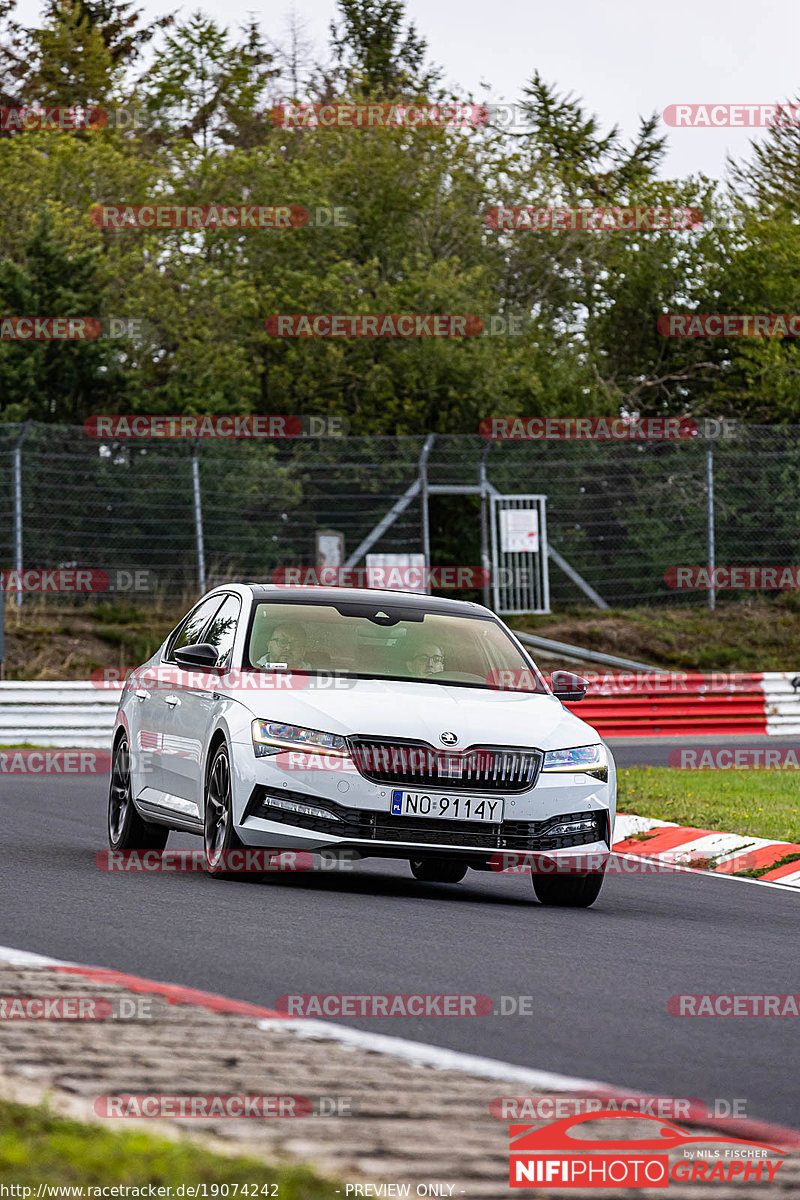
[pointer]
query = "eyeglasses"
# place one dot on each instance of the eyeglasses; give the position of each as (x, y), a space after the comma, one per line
(435, 659)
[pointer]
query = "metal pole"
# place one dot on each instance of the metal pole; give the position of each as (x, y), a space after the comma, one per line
(426, 517)
(485, 557)
(544, 563)
(712, 596)
(198, 520)
(18, 509)
(2, 630)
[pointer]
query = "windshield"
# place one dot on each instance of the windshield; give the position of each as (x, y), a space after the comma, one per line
(376, 640)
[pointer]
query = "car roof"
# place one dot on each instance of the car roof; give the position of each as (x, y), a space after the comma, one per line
(384, 596)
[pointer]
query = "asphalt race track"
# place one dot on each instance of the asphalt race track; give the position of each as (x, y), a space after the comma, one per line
(600, 978)
(654, 752)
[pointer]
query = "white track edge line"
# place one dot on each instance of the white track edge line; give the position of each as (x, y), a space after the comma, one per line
(679, 868)
(26, 958)
(426, 1055)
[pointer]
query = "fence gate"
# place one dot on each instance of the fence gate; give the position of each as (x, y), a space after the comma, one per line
(520, 580)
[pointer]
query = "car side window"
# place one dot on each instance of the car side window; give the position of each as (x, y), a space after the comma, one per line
(222, 630)
(192, 628)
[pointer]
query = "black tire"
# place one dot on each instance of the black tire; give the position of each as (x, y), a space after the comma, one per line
(437, 870)
(126, 829)
(219, 835)
(576, 891)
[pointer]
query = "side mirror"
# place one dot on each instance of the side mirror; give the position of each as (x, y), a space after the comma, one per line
(202, 654)
(568, 687)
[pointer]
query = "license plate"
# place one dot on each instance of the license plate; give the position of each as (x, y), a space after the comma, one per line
(456, 808)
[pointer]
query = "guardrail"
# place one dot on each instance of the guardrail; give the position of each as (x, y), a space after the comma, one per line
(782, 696)
(633, 704)
(680, 702)
(578, 654)
(57, 714)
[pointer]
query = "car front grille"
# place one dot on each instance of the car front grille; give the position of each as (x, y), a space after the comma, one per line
(486, 769)
(365, 826)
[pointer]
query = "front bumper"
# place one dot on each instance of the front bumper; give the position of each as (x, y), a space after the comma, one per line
(349, 811)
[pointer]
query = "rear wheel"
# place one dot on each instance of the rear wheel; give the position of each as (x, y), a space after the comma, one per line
(576, 891)
(219, 835)
(437, 870)
(126, 829)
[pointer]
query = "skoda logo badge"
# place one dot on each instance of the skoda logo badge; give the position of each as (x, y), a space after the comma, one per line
(449, 739)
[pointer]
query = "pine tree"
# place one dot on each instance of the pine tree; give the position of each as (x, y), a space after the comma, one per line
(373, 53)
(53, 380)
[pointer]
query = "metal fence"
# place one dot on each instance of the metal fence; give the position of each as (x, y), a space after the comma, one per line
(619, 515)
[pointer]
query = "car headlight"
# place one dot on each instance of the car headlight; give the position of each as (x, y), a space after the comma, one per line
(592, 760)
(270, 737)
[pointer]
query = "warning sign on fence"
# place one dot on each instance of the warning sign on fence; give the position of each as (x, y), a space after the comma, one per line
(519, 530)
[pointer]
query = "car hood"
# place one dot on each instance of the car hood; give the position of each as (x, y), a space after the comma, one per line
(423, 711)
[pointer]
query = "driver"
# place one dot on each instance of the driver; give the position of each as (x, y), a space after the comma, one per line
(428, 660)
(286, 648)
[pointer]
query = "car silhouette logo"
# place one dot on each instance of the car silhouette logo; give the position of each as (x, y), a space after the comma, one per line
(557, 1135)
(449, 739)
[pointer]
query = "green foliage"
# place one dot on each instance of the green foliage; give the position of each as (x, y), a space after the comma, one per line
(46, 380)
(37, 1146)
(418, 240)
(71, 63)
(373, 52)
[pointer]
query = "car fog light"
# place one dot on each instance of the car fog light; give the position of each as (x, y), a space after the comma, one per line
(582, 826)
(306, 810)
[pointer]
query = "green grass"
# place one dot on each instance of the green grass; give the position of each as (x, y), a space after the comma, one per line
(757, 633)
(763, 803)
(38, 1147)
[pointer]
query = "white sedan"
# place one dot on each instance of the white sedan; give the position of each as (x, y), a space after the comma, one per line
(369, 723)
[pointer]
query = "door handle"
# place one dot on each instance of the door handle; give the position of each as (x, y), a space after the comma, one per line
(141, 694)
(171, 701)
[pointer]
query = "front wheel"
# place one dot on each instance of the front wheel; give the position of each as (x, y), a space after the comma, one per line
(219, 835)
(577, 891)
(437, 870)
(126, 829)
